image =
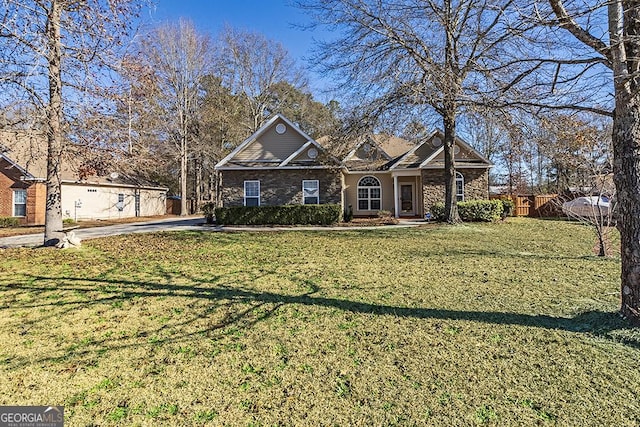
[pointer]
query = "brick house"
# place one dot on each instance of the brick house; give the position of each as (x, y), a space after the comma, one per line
(280, 164)
(84, 196)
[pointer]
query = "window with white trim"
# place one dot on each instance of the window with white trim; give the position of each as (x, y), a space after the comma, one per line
(19, 202)
(459, 187)
(252, 193)
(369, 194)
(120, 204)
(310, 192)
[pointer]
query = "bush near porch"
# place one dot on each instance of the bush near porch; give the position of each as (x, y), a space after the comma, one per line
(473, 210)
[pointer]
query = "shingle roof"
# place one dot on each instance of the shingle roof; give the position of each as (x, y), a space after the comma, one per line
(27, 150)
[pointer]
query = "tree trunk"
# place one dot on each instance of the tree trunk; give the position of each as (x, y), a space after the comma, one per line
(183, 176)
(602, 240)
(53, 210)
(450, 202)
(624, 25)
(198, 184)
(451, 89)
(626, 147)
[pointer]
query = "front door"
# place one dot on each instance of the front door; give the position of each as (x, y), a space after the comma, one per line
(406, 199)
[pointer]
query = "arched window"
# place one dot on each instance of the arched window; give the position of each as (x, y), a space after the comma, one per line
(459, 187)
(369, 194)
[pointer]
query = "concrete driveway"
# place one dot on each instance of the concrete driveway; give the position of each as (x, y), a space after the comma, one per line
(169, 224)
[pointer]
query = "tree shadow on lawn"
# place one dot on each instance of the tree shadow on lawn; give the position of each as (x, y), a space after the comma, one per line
(262, 305)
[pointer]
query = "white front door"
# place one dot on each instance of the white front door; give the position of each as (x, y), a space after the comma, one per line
(407, 200)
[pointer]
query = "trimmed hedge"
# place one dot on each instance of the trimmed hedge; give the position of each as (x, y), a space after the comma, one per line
(279, 215)
(9, 221)
(472, 211)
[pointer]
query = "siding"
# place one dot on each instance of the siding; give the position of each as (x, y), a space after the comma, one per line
(351, 193)
(100, 202)
(273, 146)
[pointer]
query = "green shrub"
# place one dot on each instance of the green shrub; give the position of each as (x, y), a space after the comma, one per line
(480, 210)
(472, 211)
(348, 214)
(437, 211)
(508, 207)
(279, 215)
(68, 221)
(8, 221)
(209, 210)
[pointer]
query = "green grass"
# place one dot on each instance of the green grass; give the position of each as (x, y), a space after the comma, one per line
(482, 324)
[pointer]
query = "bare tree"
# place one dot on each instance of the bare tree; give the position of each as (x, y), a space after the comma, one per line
(251, 67)
(179, 58)
(575, 150)
(50, 50)
(597, 45)
(438, 54)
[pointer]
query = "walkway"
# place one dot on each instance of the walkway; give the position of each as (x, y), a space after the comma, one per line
(180, 224)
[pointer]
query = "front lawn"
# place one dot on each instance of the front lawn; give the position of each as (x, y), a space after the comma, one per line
(506, 324)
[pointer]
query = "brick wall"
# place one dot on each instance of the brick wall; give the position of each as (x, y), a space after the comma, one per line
(476, 185)
(280, 187)
(10, 179)
(36, 203)
(6, 195)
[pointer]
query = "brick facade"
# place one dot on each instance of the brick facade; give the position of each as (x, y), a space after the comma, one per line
(36, 203)
(280, 187)
(36, 199)
(10, 180)
(476, 185)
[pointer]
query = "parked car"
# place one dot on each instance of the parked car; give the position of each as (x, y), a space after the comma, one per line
(587, 207)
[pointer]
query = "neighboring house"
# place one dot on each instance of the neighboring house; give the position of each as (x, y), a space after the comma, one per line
(280, 165)
(84, 196)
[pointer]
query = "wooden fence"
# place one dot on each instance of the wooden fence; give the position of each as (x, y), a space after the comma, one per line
(542, 205)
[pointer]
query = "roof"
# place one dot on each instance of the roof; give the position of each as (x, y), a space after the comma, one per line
(26, 152)
(376, 152)
(392, 145)
(384, 152)
(280, 144)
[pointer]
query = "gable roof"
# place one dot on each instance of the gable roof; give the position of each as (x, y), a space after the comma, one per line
(27, 150)
(429, 154)
(376, 152)
(278, 144)
(24, 153)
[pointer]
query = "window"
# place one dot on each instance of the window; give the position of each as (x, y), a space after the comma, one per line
(120, 204)
(310, 192)
(459, 187)
(19, 202)
(369, 194)
(252, 193)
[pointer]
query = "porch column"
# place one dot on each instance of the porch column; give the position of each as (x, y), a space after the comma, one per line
(396, 200)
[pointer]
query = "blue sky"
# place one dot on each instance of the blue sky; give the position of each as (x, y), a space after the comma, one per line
(276, 19)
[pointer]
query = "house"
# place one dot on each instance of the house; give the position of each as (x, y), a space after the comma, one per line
(85, 195)
(280, 165)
